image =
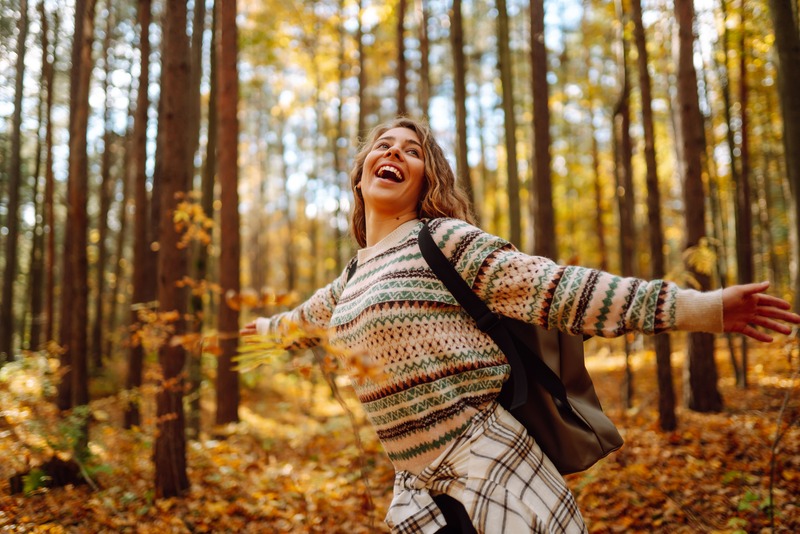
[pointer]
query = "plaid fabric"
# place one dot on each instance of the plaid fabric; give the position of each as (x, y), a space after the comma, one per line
(500, 475)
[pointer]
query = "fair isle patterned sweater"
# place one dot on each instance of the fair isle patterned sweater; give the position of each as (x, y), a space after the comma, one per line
(439, 370)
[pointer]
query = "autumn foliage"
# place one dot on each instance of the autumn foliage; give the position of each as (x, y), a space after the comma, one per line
(293, 464)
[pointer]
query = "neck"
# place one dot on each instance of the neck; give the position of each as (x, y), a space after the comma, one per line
(379, 226)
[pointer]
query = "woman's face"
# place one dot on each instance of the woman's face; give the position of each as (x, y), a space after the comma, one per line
(394, 173)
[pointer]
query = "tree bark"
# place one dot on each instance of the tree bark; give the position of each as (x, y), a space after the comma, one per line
(623, 172)
(173, 161)
(666, 391)
(141, 241)
(49, 187)
(199, 250)
(701, 394)
(402, 81)
(227, 104)
(787, 45)
(106, 184)
(743, 214)
(543, 214)
(362, 75)
(510, 123)
(424, 50)
(14, 184)
(460, 99)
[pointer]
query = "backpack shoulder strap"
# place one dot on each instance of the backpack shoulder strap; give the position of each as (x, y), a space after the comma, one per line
(486, 320)
(351, 268)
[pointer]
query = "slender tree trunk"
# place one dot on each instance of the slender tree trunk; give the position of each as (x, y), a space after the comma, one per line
(424, 50)
(744, 204)
(199, 250)
(105, 204)
(79, 173)
(460, 99)
(402, 82)
(666, 390)
(49, 187)
(702, 393)
(36, 271)
(141, 241)
(227, 104)
(362, 75)
(543, 214)
(623, 172)
(15, 182)
(787, 45)
(510, 123)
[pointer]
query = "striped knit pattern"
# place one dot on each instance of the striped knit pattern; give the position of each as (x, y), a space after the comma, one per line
(439, 370)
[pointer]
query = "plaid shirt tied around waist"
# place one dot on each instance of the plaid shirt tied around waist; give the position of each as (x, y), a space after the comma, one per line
(500, 475)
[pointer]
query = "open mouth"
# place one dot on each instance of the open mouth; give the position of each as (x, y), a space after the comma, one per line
(387, 172)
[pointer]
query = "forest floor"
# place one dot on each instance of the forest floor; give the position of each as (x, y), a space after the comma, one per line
(293, 463)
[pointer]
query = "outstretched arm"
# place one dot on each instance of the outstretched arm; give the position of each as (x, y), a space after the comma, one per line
(746, 306)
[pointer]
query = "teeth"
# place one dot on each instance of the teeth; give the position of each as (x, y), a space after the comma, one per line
(388, 168)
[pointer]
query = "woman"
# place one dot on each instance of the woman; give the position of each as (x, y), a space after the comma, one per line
(434, 404)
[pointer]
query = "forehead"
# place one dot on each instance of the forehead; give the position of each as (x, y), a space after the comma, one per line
(401, 134)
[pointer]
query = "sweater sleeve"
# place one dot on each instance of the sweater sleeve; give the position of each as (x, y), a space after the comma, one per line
(304, 326)
(579, 300)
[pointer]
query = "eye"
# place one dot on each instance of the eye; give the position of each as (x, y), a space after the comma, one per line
(383, 144)
(414, 152)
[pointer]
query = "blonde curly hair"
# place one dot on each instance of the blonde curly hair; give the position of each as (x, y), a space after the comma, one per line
(441, 195)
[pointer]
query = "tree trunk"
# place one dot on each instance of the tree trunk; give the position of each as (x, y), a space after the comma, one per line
(744, 204)
(362, 75)
(543, 215)
(141, 241)
(199, 250)
(666, 390)
(460, 99)
(623, 172)
(424, 50)
(106, 184)
(14, 183)
(173, 161)
(787, 45)
(36, 271)
(227, 103)
(510, 123)
(49, 186)
(702, 394)
(402, 82)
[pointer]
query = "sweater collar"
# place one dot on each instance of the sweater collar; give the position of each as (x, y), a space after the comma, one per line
(397, 235)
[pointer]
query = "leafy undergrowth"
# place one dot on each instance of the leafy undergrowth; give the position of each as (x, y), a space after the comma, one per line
(293, 463)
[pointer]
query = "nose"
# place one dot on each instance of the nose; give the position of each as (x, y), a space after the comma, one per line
(393, 150)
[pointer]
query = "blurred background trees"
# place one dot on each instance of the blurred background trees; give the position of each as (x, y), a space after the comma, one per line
(157, 156)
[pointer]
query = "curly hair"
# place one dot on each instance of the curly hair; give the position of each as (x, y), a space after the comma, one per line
(441, 195)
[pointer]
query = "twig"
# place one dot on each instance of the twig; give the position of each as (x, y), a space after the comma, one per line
(778, 437)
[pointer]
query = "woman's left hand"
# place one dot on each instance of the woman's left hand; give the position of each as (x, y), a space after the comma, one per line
(746, 306)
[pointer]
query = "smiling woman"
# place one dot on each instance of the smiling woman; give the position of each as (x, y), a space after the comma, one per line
(463, 463)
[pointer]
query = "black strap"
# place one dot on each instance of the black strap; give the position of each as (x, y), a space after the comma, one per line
(494, 325)
(486, 320)
(351, 269)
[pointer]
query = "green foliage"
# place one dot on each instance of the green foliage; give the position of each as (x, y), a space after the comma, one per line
(34, 480)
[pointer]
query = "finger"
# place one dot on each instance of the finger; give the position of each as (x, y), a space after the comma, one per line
(780, 315)
(772, 325)
(770, 300)
(751, 332)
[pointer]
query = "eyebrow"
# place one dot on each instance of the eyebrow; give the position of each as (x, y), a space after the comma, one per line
(392, 138)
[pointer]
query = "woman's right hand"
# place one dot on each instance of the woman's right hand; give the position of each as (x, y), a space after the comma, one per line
(249, 329)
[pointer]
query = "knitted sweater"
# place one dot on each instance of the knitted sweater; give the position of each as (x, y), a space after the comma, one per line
(439, 370)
